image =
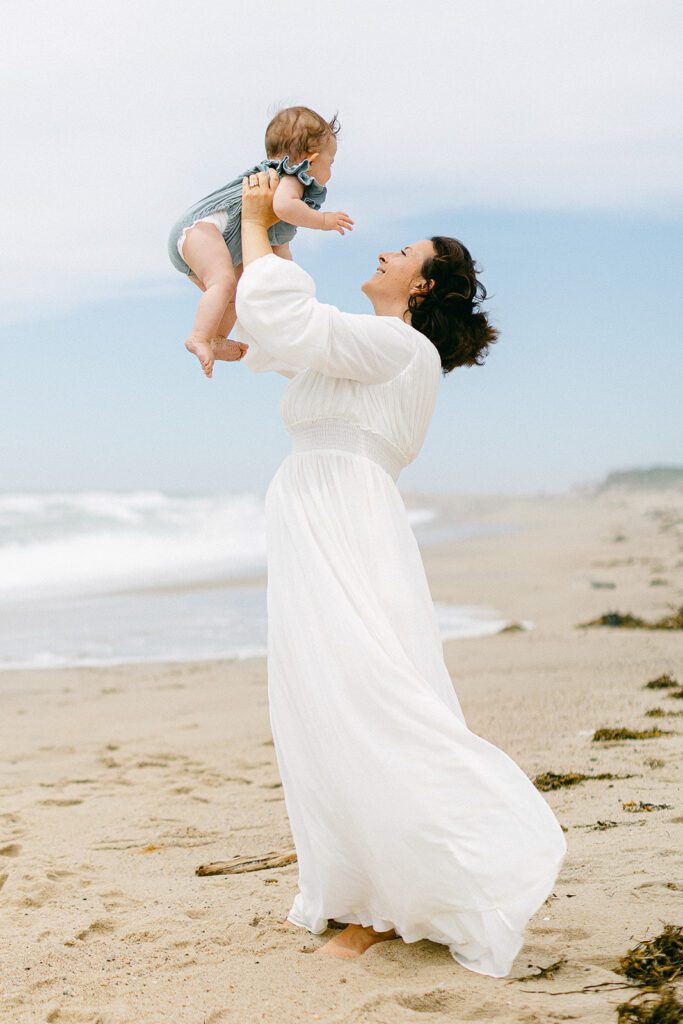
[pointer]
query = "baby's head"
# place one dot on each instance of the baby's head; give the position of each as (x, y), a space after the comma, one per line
(301, 134)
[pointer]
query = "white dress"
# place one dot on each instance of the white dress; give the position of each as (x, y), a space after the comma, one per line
(402, 817)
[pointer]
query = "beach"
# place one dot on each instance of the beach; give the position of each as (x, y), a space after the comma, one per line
(118, 781)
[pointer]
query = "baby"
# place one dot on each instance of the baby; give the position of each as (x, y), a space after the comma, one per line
(205, 243)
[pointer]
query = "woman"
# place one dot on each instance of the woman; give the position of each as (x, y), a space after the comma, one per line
(405, 822)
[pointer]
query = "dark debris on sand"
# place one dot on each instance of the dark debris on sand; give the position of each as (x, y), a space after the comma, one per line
(619, 620)
(543, 972)
(657, 961)
(547, 781)
(636, 808)
(653, 965)
(651, 1008)
(604, 735)
(663, 682)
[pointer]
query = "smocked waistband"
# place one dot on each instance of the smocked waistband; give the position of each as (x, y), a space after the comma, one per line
(347, 437)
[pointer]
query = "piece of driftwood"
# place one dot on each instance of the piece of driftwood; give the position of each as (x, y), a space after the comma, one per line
(237, 865)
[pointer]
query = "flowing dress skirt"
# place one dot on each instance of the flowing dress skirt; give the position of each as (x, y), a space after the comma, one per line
(402, 817)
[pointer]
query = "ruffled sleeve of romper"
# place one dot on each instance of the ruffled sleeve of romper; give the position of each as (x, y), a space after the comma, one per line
(278, 311)
(314, 193)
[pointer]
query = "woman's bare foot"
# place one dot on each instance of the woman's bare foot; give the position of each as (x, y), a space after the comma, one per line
(228, 351)
(354, 941)
(200, 346)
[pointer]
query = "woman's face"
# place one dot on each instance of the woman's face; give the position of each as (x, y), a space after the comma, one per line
(399, 274)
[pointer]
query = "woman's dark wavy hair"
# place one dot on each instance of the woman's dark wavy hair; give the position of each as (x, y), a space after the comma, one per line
(449, 314)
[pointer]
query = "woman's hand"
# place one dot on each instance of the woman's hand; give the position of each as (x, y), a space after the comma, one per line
(257, 198)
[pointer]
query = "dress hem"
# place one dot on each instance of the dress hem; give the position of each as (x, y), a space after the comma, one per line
(382, 926)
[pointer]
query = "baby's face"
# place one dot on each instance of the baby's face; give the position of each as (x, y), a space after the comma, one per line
(322, 160)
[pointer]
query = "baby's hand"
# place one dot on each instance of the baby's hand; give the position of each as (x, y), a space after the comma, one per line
(337, 222)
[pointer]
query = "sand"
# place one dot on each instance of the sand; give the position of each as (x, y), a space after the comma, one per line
(118, 782)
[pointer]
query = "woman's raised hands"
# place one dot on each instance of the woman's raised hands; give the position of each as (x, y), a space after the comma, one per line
(257, 198)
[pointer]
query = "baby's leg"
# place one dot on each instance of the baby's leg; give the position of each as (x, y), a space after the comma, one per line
(230, 315)
(207, 255)
(224, 349)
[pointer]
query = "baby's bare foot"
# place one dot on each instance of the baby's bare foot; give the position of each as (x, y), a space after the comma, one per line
(353, 942)
(200, 346)
(227, 350)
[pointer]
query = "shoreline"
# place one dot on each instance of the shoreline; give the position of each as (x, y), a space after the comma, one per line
(197, 617)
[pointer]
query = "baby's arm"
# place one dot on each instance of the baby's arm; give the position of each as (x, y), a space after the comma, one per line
(290, 207)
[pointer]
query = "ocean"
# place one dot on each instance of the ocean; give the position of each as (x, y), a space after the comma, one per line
(100, 577)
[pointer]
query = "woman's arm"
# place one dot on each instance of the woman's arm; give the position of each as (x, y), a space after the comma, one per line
(276, 305)
(257, 359)
(283, 251)
(257, 214)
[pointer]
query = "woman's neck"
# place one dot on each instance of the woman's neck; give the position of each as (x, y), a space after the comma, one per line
(384, 307)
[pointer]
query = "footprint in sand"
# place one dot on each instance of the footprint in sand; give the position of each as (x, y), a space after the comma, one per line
(431, 1005)
(36, 896)
(144, 936)
(60, 802)
(58, 873)
(11, 850)
(115, 899)
(668, 886)
(69, 1016)
(99, 927)
(217, 1017)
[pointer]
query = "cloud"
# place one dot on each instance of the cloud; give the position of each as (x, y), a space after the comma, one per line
(120, 115)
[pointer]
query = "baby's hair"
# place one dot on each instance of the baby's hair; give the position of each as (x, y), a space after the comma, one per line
(298, 130)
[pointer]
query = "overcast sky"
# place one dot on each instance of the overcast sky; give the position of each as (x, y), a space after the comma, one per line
(119, 115)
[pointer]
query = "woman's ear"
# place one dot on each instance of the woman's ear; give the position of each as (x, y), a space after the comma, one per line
(312, 157)
(421, 286)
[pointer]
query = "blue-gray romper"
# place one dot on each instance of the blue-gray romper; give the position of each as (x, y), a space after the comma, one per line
(229, 198)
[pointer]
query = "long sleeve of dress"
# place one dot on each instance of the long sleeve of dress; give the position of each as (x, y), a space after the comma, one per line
(257, 359)
(277, 308)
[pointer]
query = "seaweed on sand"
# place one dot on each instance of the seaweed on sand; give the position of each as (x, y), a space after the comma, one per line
(660, 1007)
(663, 682)
(651, 966)
(636, 808)
(660, 713)
(655, 962)
(627, 621)
(543, 972)
(547, 781)
(603, 735)
(617, 620)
